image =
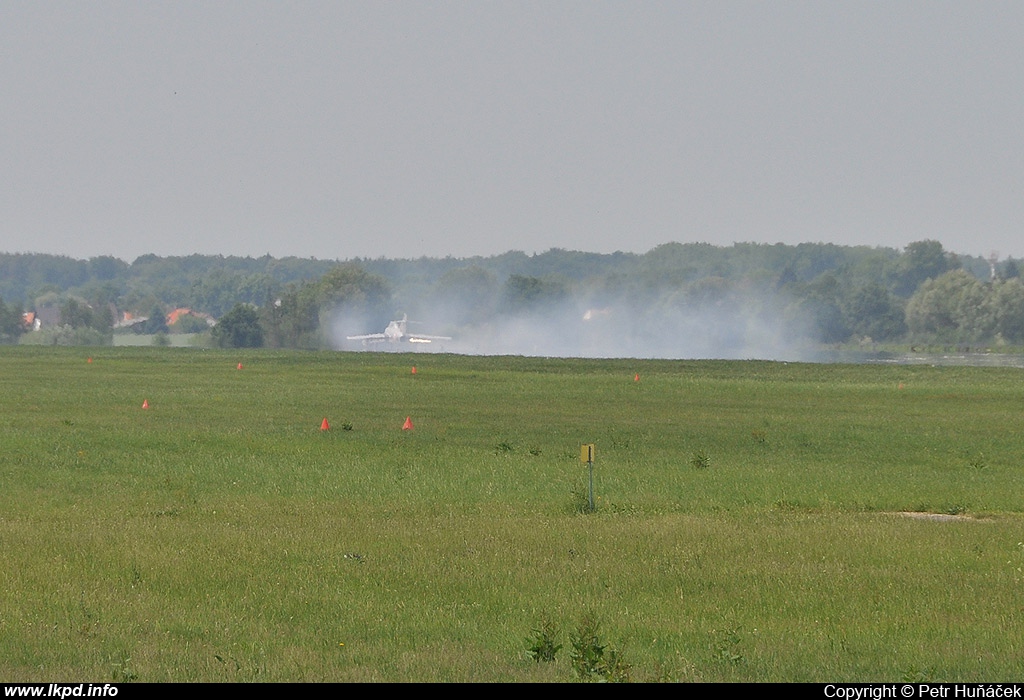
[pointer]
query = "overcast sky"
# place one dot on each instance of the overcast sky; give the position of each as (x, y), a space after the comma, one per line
(400, 129)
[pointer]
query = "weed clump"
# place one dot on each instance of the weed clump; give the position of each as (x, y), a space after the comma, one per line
(700, 460)
(727, 648)
(543, 646)
(593, 660)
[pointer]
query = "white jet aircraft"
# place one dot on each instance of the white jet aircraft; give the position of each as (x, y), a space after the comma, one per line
(397, 331)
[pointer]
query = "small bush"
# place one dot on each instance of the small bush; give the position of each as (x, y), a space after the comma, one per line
(727, 648)
(700, 460)
(592, 660)
(614, 669)
(587, 650)
(542, 646)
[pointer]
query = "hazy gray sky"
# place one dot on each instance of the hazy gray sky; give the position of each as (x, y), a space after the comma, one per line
(400, 129)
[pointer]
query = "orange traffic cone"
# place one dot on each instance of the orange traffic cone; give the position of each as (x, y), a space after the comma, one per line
(414, 369)
(408, 423)
(89, 360)
(325, 425)
(145, 403)
(636, 377)
(239, 365)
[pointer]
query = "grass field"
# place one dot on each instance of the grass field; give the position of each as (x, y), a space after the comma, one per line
(748, 523)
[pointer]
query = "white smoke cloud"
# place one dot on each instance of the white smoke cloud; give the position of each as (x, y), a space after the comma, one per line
(752, 328)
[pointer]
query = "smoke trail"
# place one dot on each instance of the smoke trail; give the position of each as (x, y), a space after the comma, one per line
(672, 327)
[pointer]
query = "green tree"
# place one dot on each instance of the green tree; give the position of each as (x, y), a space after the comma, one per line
(105, 268)
(75, 313)
(921, 260)
(528, 294)
(820, 305)
(1011, 270)
(11, 323)
(239, 328)
(953, 307)
(218, 291)
(156, 323)
(1008, 309)
(303, 315)
(78, 314)
(871, 311)
(348, 298)
(352, 287)
(293, 319)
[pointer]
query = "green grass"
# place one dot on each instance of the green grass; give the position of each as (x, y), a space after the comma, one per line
(220, 535)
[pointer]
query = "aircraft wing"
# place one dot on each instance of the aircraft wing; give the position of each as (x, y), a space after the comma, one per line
(419, 338)
(370, 336)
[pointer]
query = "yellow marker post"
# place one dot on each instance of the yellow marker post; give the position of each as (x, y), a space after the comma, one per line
(587, 455)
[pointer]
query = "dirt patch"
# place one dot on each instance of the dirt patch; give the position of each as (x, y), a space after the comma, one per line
(934, 516)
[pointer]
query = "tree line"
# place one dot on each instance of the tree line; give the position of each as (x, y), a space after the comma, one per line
(829, 293)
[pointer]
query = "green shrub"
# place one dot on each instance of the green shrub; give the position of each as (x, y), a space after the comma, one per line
(594, 660)
(700, 460)
(542, 646)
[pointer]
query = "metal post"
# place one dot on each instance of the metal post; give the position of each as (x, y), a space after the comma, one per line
(591, 465)
(587, 455)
